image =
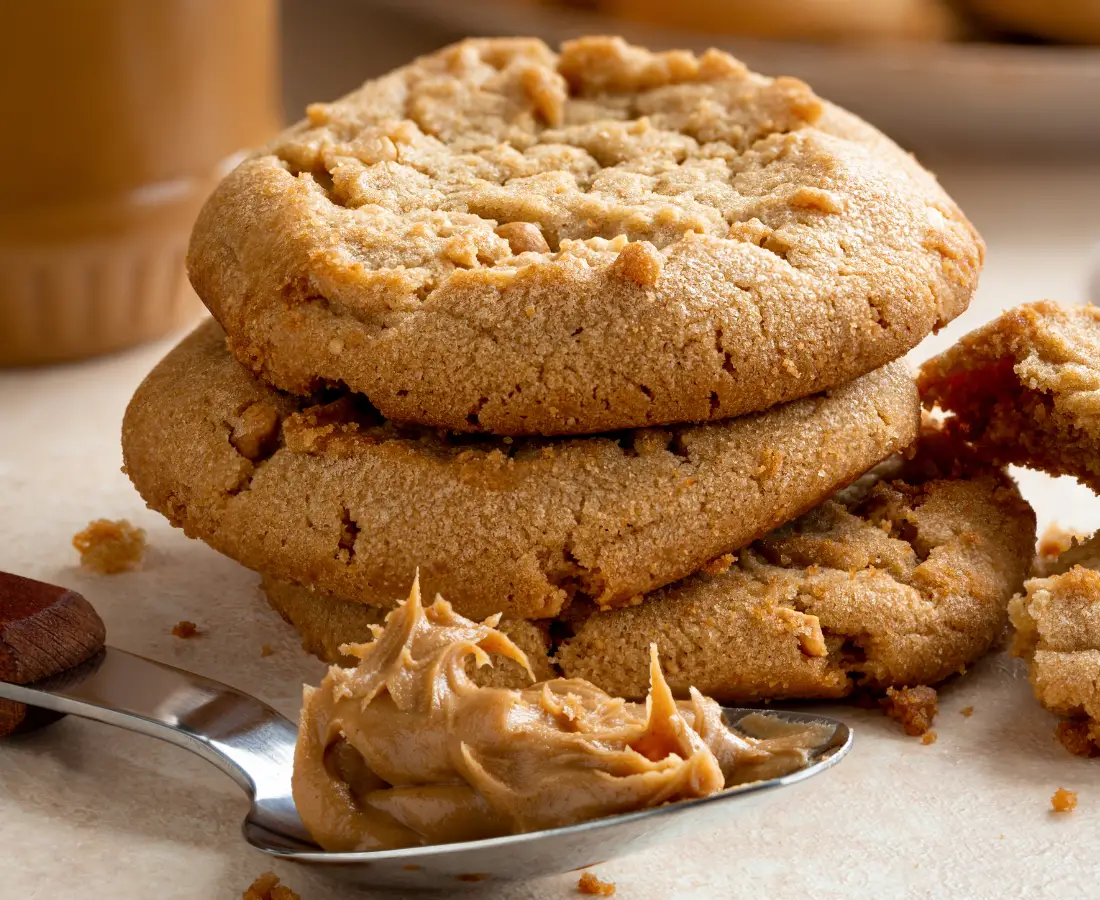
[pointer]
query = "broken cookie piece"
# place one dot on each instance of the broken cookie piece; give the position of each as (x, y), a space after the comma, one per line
(1057, 629)
(1024, 389)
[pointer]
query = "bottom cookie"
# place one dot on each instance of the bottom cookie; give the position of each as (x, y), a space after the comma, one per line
(1057, 622)
(902, 579)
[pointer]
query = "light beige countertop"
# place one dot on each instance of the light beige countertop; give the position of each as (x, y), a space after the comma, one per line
(92, 812)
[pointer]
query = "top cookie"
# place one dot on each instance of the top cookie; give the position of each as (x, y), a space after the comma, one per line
(1025, 389)
(500, 238)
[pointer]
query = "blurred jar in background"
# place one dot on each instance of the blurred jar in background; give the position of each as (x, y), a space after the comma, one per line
(118, 118)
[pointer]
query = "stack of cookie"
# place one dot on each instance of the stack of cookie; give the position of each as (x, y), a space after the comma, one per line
(592, 340)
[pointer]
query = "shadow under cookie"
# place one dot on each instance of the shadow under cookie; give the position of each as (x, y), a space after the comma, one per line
(324, 491)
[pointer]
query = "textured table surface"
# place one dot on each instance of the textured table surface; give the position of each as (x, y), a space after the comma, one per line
(96, 813)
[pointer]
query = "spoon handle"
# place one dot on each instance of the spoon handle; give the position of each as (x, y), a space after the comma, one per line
(245, 738)
(44, 629)
(236, 732)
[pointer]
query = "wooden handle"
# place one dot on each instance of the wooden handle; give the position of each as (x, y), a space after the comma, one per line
(44, 630)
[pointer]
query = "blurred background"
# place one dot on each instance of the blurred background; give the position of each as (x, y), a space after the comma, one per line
(1001, 77)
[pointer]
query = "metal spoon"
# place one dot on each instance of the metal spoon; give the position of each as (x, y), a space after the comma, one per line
(254, 745)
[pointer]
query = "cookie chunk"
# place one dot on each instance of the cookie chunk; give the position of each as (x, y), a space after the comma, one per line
(502, 238)
(333, 495)
(1025, 389)
(904, 583)
(326, 623)
(1057, 622)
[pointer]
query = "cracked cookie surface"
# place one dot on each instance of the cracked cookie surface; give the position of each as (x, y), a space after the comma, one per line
(324, 491)
(1057, 622)
(1024, 389)
(902, 583)
(502, 238)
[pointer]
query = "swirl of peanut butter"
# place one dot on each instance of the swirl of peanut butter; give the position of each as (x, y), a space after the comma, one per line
(406, 750)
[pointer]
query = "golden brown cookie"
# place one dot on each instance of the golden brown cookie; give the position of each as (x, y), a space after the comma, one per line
(901, 583)
(326, 623)
(1025, 389)
(1072, 21)
(801, 20)
(500, 238)
(334, 496)
(1057, 621)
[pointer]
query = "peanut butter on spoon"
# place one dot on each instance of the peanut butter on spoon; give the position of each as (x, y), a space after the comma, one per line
(406, 750)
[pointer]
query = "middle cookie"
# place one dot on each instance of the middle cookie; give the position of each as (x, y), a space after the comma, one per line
(333, 495)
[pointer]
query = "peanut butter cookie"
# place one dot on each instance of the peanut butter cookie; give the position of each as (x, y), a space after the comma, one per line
(1025, 389)
(501, 238)
(1057, 621)
(323, 491)
(901, 583)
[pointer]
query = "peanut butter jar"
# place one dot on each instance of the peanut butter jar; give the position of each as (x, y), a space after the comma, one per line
(119, 117)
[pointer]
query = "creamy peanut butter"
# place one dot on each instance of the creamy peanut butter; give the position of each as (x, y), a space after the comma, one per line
(405, 749)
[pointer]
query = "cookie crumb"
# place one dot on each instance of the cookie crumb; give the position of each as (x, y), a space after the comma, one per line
(967, 711)
(267, 887)
(590, 884)
(1074, 736)
(1064, 801)
(929, 737)
(110, 547)
(184, 629)
(266, 650)
(914, 708)
(1055, 540)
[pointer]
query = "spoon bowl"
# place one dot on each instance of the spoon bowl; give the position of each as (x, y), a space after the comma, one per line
(254, 745)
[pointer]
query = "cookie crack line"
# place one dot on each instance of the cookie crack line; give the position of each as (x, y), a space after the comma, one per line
(470, 247)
